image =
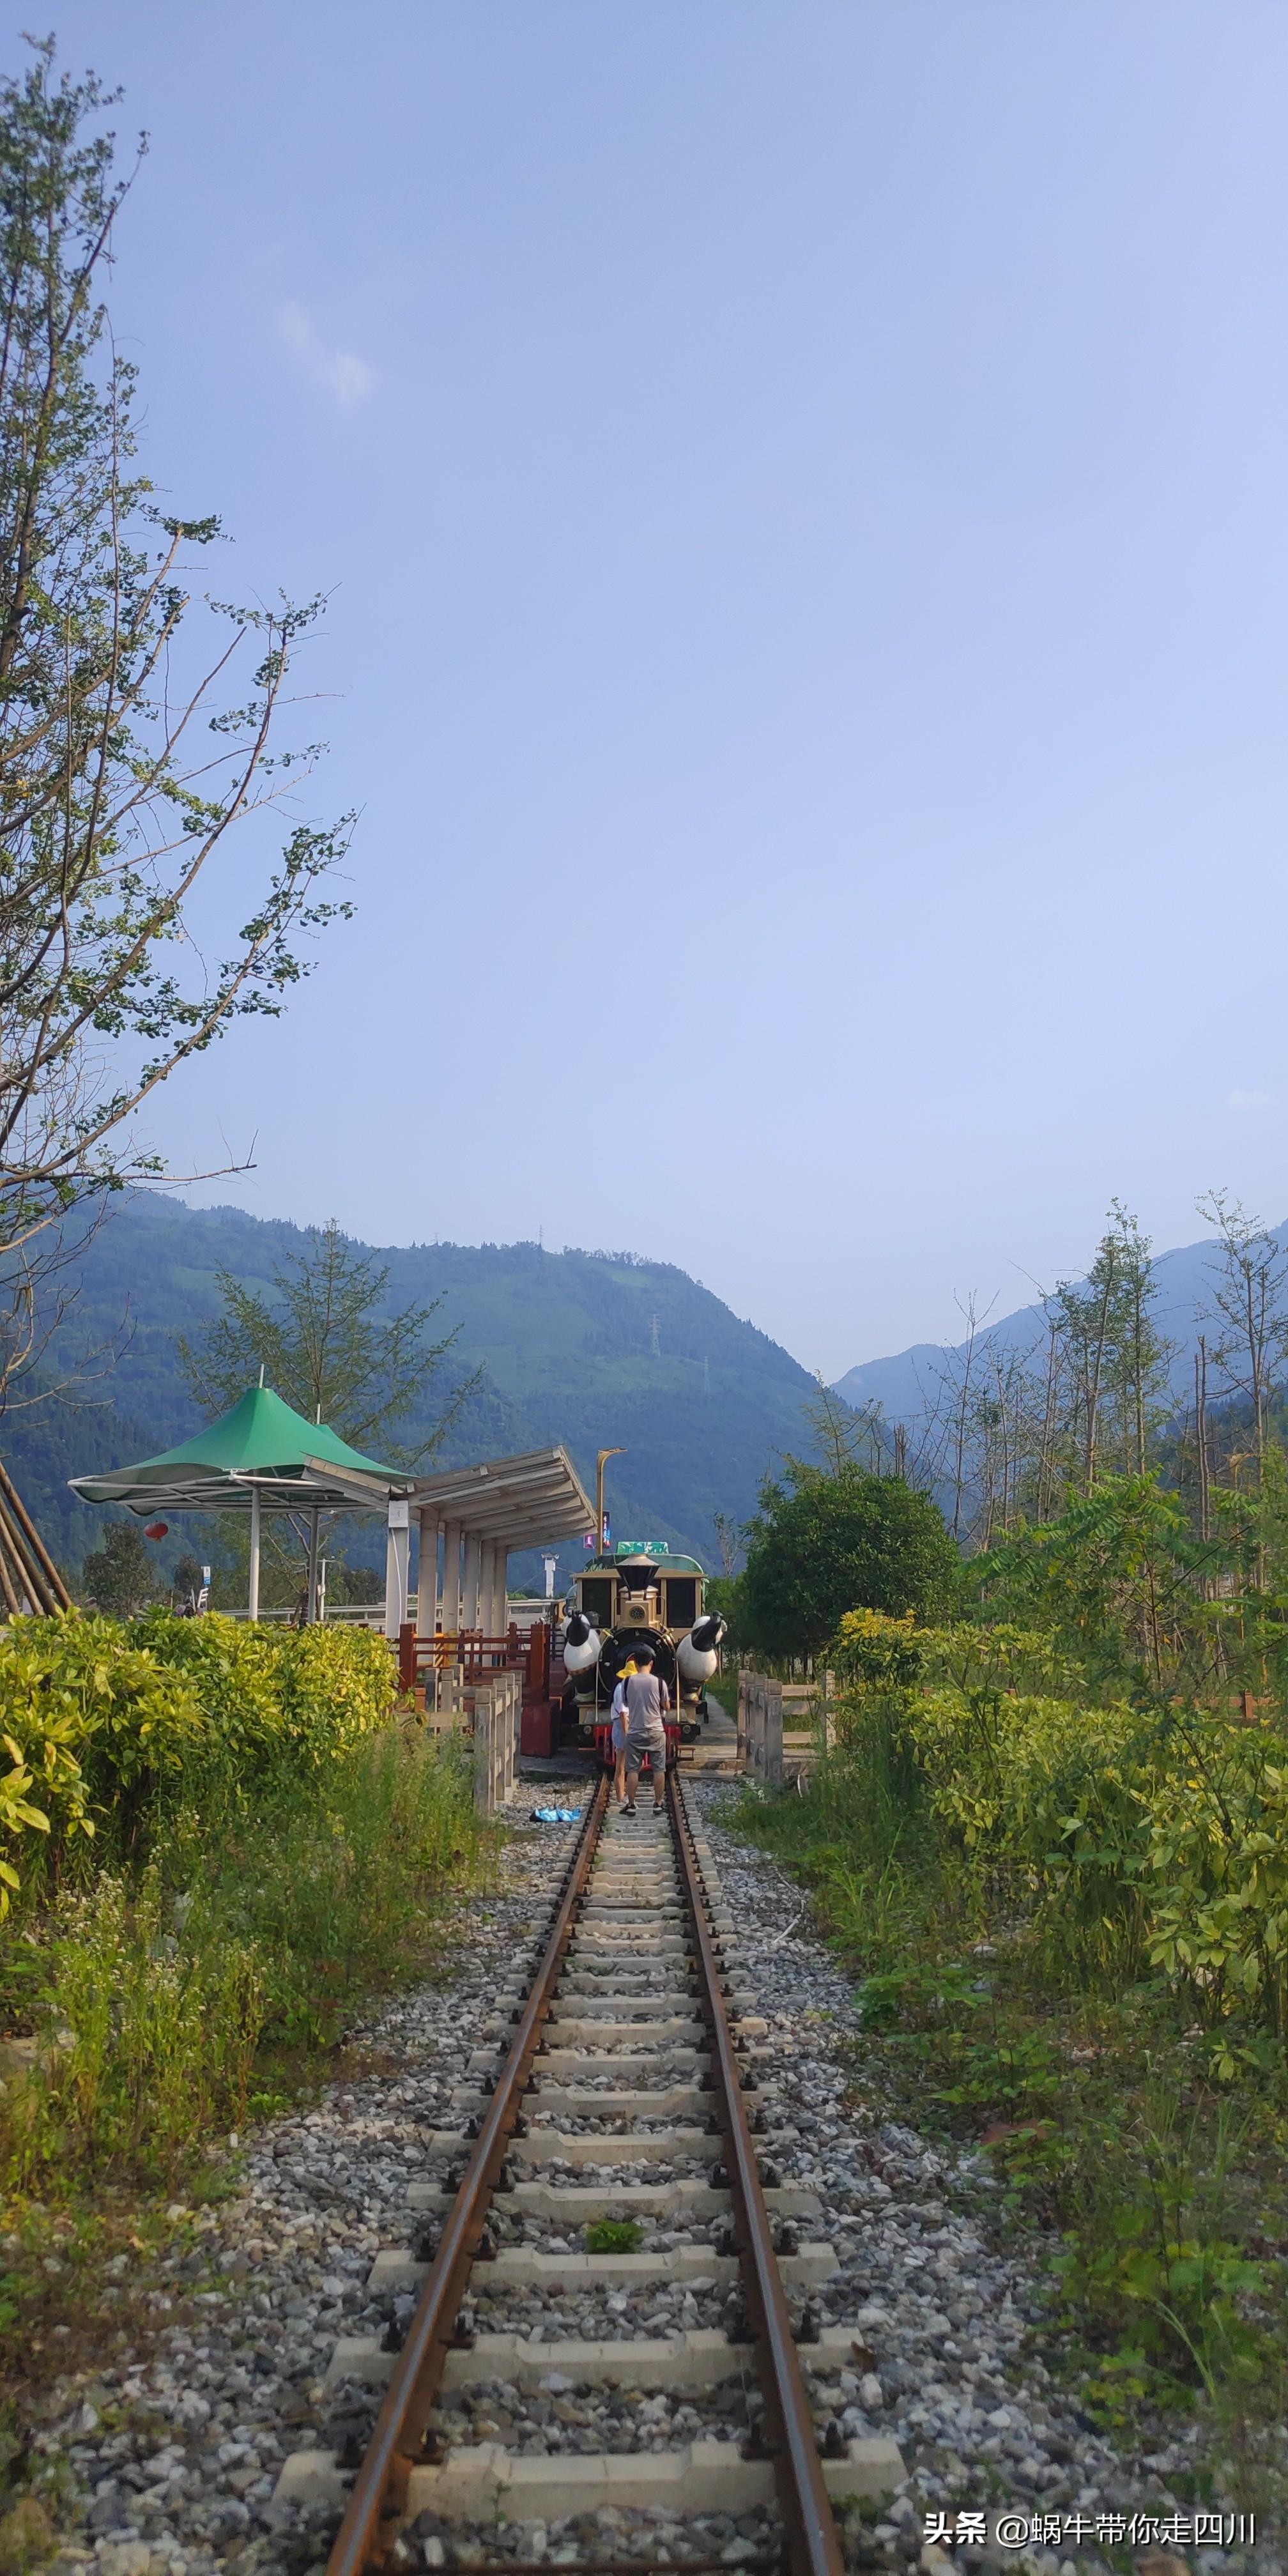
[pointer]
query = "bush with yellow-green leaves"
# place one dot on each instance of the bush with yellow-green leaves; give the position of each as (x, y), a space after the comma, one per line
(102, 1722)
(1218, 1861)
(1132, 1835)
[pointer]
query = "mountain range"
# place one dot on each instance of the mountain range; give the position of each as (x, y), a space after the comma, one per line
(906, 1384)
(586, 1349)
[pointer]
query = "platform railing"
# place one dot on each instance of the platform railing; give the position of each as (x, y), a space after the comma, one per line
(760, 1727)
(338, 1614)
(428, 1662)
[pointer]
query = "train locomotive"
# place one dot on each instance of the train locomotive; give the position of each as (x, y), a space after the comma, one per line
(638, 1594)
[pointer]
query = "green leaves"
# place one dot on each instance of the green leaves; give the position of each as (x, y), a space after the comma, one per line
(1218, 1852)
(101, 1720)
(110, 811)
(328, 1346)
(824, 1545)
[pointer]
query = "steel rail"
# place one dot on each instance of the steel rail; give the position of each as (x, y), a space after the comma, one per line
(378, 2498)
(813, 2541)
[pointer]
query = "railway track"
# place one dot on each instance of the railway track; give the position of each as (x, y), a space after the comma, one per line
(632, 2088)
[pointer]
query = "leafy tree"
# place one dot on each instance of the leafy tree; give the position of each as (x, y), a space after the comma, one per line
(729, 1540)
(325, 1346)
(119, 1577)
(327, 1349)
(723, 1593)
(850, 1435)
(1249, 1306)
(360, 1584)
(185, 1580)
(1110, 1579)
(821, 1545)
(1114, 1359)
(127, 750)
(1015, 1427)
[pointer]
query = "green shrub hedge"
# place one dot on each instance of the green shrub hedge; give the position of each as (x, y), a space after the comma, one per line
(1125, 1835)
(101, 1720)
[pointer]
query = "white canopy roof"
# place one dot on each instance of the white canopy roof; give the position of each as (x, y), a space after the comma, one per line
(511, 1502)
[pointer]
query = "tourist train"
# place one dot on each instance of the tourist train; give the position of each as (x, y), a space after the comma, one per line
(638, 1594)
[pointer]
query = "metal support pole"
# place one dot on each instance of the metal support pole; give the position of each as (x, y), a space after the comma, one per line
(311, 1610)
(252, 1597)
(601, 1461)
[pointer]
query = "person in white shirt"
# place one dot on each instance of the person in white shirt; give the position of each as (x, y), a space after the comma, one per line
(619, 1731)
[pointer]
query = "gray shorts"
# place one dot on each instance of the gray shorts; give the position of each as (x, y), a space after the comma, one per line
(651, 1741)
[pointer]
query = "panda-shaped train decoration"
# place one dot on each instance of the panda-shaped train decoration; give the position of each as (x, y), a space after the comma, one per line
(638, 1594)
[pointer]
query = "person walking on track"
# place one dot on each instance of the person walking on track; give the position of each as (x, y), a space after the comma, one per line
(647, 1700)
(619, 1730)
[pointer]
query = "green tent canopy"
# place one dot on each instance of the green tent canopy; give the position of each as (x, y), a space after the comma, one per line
(261, 1449)
(259, 1457)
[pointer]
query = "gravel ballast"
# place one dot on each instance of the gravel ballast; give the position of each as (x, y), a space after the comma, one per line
(167, 2466)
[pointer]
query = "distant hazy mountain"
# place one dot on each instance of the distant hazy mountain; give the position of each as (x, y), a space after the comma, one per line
(905, 1385)
(588, 1349)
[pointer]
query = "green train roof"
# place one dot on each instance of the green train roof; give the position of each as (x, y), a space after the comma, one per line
(664, 1564)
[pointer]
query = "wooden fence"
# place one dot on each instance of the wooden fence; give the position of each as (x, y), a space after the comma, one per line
(760, 1727)
(783, 1726)
(492, 1710)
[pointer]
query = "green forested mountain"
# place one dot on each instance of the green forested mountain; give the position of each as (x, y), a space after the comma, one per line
(591, 1349)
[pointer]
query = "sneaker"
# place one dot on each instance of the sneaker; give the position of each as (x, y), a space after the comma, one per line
(630, 1808)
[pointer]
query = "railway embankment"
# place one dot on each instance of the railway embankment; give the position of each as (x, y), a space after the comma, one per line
(271, 1847)
(952, 2262)
(257, 2322)
(1056, 1913)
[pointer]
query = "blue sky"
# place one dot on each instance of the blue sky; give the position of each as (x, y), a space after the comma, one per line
(802, 491)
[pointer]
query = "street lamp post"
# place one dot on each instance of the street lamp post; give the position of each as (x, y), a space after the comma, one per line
(599, 1494)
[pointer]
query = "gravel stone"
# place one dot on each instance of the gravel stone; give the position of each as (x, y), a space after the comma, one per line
(174, 2456)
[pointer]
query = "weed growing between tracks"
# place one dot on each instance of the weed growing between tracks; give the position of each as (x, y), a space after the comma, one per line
(208, 1985)
(1149, 2177)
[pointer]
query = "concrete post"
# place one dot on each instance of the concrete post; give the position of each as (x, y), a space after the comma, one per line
(427, 1576)
(473, 1574)
(396, 1546)
(451, 1577)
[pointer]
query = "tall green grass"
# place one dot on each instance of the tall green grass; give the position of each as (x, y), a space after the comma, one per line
(1015, 2005)
(167, 1999)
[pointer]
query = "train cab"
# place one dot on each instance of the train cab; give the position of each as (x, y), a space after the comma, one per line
(622, 1599)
